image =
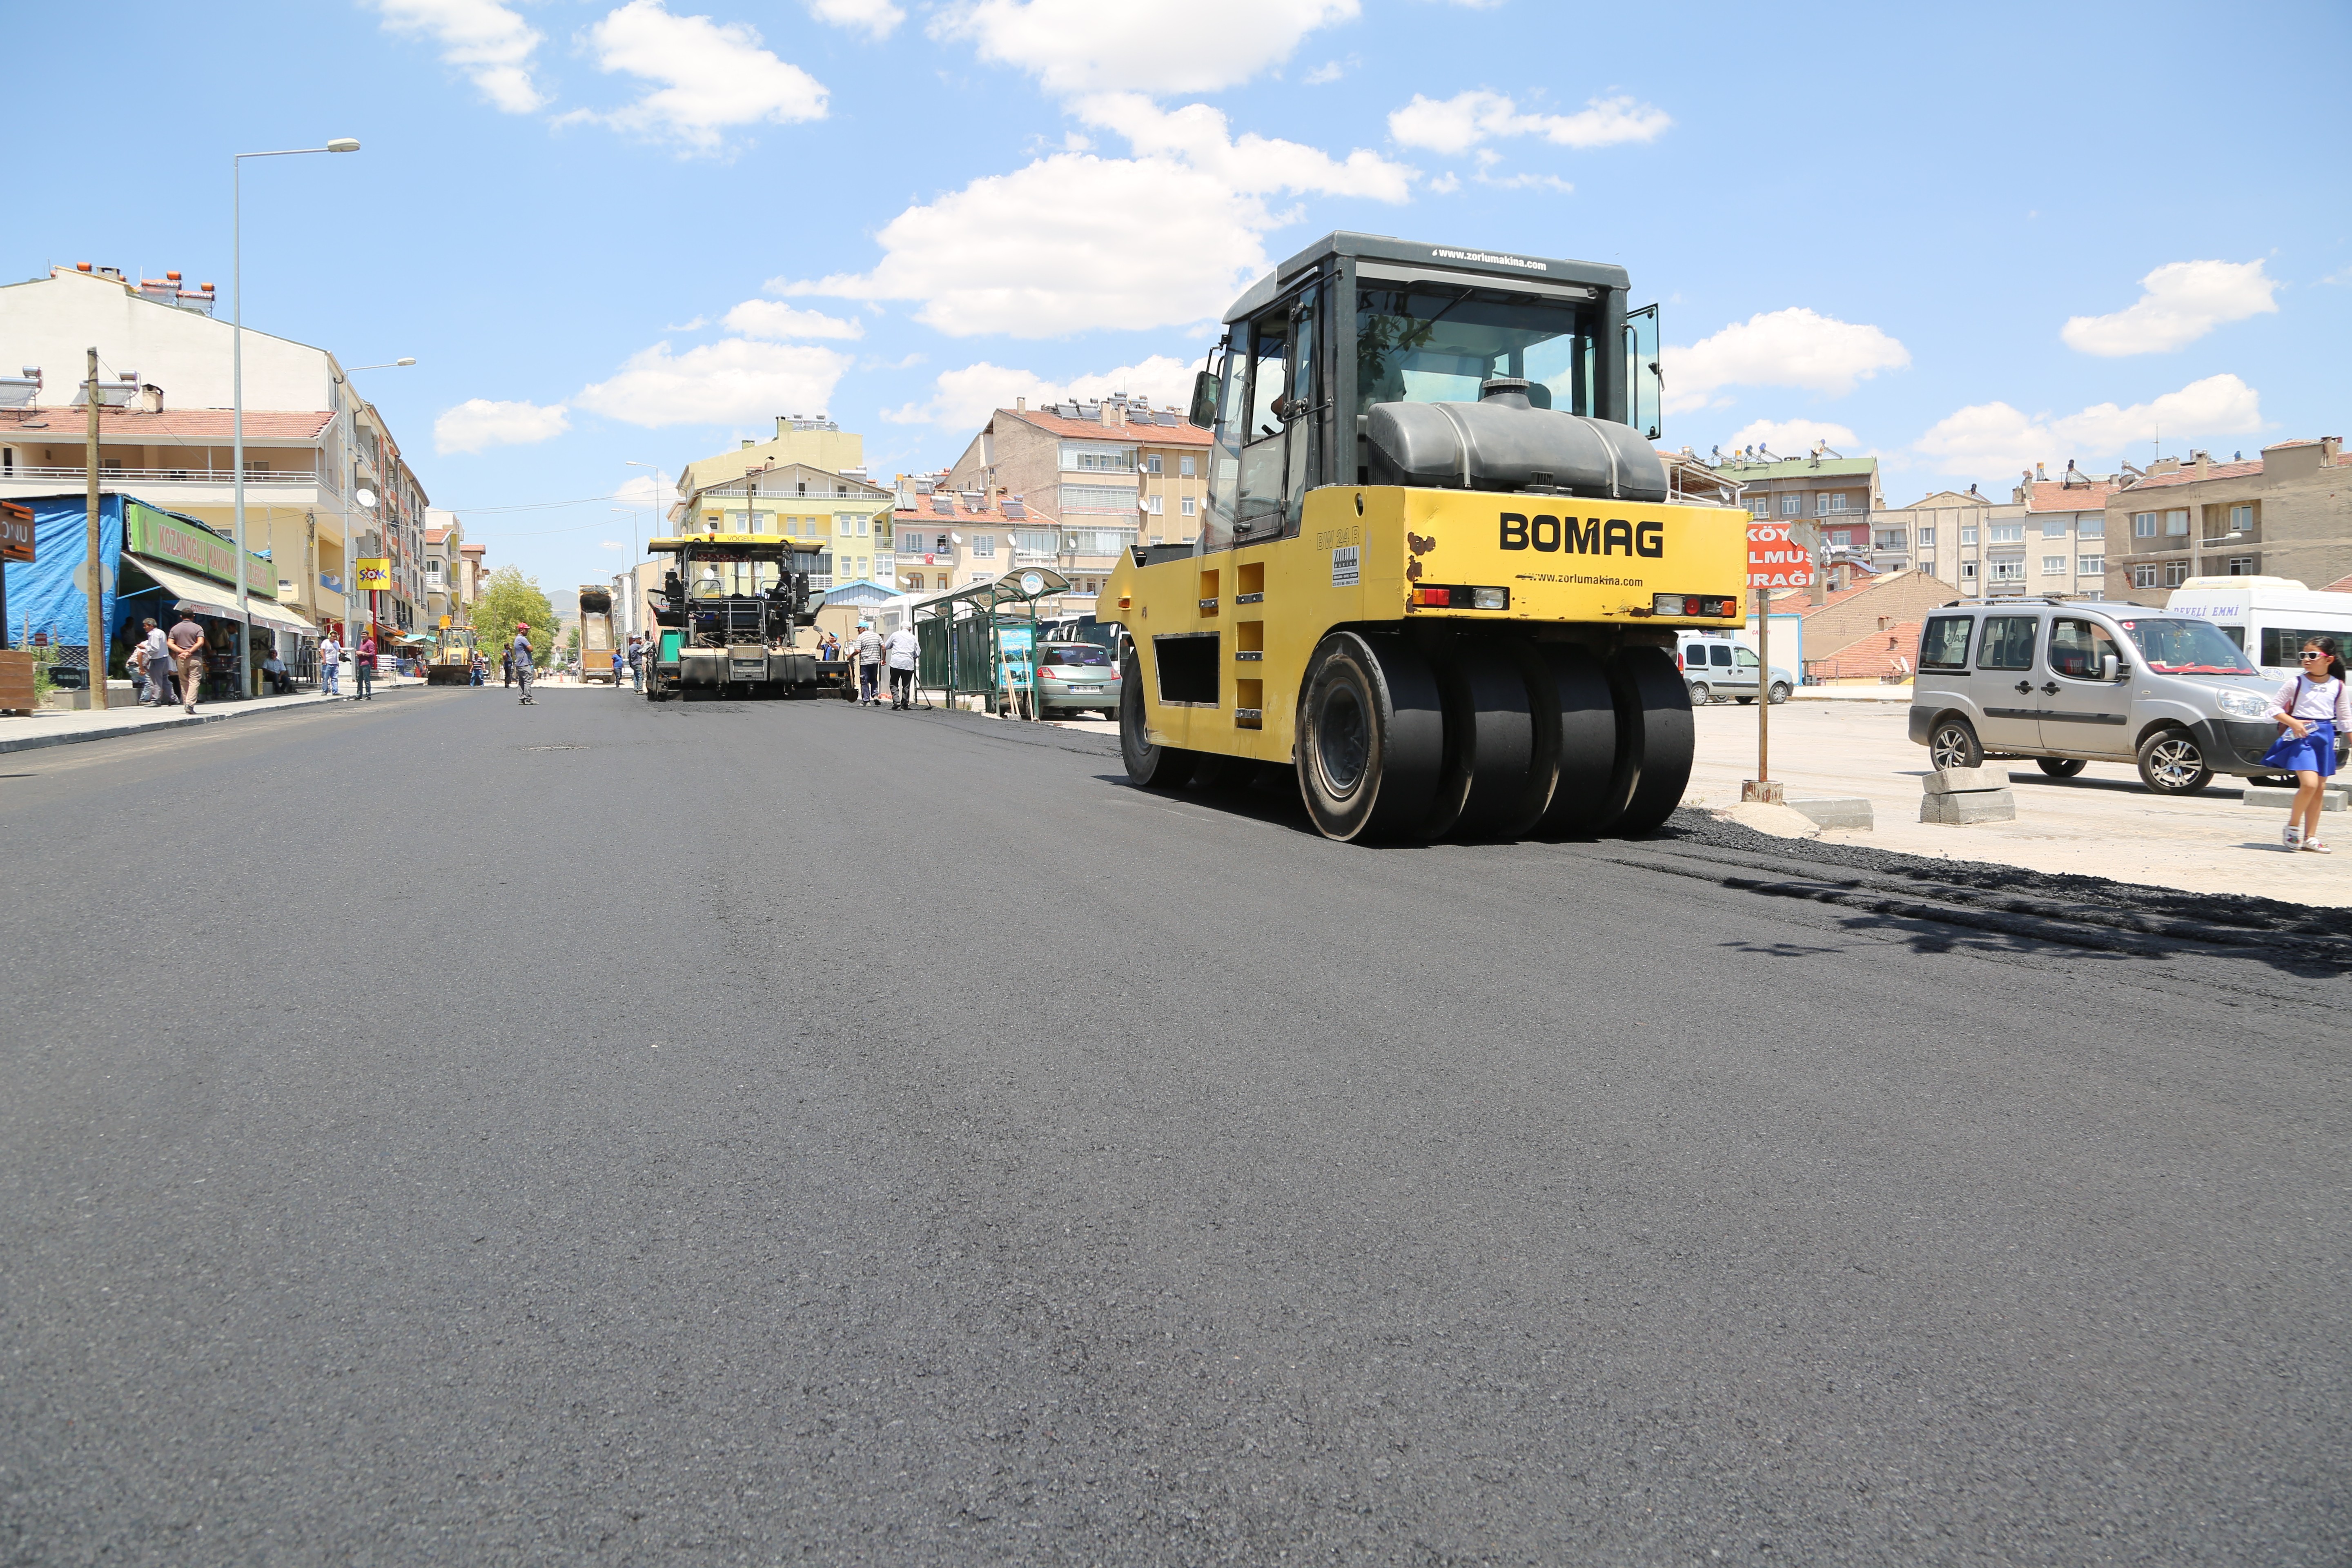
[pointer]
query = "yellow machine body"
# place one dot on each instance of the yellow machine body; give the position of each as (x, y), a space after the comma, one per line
(1250, 618)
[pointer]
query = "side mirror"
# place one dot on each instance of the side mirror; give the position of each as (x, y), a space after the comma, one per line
(2110, 667)
(1204, 400)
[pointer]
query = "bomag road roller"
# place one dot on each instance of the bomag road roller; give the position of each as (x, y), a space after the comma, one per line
(1438, 574)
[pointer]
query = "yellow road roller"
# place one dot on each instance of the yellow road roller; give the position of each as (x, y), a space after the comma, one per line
(1439, 573)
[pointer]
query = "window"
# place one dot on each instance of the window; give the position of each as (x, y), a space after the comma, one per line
(1184, 464)
(2009, 571)
(2007, 534)
(2176, 523)
(1891, 539)
(1189, 506)
(1152, 464)
(2241, 566)
(2090, 565)
(1926, 539)
(1098, 498)
(1968, 571)
(2079, 650)
(1792, 505)
(1944, 645)
(1833, 502)
(2188, 647)
(1761, 507)
(2143, 576)
(1036, 541)
(2176, 573)
(2143, 525)
(1967, 533)
(2054, 566)
(983, 546)
(1155, 505)
(801, 488)
(1099, 460)
(2281, 645)
(2008, 643)
(2092, 528)
(2054, 528)
(2241, 519)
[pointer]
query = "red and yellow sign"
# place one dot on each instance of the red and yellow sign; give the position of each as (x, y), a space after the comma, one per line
(16, 531)
(1776, 561)
(371, 575)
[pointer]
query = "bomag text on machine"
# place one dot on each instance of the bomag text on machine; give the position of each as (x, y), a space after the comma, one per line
(1439, 574)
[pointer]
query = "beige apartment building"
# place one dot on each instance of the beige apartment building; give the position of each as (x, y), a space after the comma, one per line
(1109, 475)
(816, 442)
(2286, 514)
(846, 516)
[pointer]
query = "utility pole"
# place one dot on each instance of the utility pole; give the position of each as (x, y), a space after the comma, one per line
(97, 562)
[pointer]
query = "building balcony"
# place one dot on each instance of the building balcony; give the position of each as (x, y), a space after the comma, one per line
(32, 477)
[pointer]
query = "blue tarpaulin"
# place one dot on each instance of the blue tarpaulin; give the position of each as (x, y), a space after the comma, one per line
(42, 594)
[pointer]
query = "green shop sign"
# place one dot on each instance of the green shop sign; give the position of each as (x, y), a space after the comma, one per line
(150, 532)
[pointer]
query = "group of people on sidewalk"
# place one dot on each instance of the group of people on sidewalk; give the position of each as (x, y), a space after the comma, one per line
(171, 665)
(330, 667)
(870, 649)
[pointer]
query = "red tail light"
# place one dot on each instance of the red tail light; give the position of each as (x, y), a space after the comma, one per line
(1435, 598)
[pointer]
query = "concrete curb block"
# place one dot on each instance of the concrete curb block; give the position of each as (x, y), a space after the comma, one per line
(1838, 814)
(2269, 798)
(142, 726)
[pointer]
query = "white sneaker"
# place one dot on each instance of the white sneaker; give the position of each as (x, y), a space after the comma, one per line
(2291, 839)
(2316, 848)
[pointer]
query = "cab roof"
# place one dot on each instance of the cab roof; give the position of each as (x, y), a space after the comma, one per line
(1472, 265)
(735, 546)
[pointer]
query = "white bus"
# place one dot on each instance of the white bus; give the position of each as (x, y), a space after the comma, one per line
(2267, 616)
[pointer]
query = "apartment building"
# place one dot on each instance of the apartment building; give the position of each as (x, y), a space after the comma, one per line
(947, 539)
(2288, 513)
(166, 427)
(1109, 473)
(817, 442)
(1837, 495)
(846, 516)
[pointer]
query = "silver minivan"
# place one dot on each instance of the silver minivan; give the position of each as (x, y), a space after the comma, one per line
(1715, 666)
(2069, 683)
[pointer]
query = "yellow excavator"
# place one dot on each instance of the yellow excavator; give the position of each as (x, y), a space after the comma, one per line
(1439, 576)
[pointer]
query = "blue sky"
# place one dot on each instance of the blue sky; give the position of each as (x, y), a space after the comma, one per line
(1965, 240)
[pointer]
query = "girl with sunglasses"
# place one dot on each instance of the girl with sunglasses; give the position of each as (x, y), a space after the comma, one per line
(2312, 710)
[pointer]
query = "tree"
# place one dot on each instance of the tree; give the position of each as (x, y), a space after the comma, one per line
(509, 599)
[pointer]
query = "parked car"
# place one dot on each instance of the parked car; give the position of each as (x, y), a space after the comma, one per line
(2069, 683)
(1074, 677)
(1717, 667)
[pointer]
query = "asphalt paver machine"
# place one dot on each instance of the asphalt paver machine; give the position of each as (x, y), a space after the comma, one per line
(1439, 576)
(729, 615)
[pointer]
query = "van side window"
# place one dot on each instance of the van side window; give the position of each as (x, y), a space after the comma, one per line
(2079, 649)
(1945, 644)
(2281, 645)
(2008, 643)
(1721, 656)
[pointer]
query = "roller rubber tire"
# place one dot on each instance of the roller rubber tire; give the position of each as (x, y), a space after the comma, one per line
(1148, 766)
(1489, 742)
(1655, 741)
(1371, 737)
(1583, 743)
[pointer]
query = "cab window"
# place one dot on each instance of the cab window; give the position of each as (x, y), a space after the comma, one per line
(1743, 658)
(2008, 643)
(2079, 649)
(1721, 656)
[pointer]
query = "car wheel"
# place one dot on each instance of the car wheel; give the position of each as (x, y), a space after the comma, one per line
(2172, 763)
(1744, 701)
(1953, 744)
(1780, 691)
(1700, 695)
(2061, 767)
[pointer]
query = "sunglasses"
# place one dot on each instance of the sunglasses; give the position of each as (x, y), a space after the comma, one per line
(2315, 653)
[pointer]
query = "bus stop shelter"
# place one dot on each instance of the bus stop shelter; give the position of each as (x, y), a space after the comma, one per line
(982, 641)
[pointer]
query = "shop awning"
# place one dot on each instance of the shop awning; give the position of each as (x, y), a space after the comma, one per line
(218, 598)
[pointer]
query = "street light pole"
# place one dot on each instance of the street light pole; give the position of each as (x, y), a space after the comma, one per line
(653, 505)
(237, 384)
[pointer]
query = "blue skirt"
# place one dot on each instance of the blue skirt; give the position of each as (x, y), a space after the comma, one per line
(2314, 752)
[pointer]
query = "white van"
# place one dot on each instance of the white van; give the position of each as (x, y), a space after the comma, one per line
(2267, 617)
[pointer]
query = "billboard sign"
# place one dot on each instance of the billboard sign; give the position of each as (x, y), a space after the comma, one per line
(1775, 560)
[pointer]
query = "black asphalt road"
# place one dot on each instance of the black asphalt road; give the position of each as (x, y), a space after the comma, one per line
(437, 1130)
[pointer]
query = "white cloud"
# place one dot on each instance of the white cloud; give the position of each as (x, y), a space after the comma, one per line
(611, 544)
(963, 399)
(879, 18)
(2183, 302)
(1166, 237)
(1795, 347)
(1325, 74)
(490, 42)
(1458, 123)
(713, 76)
(1793, 437)
(1445, 184)
(1997, 436)
(731, 382)
(478, 424)
(640, 491)
(766, 319)
(1149, 45)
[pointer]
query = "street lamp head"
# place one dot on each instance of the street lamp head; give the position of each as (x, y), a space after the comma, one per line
(403, 361)
(344, 144)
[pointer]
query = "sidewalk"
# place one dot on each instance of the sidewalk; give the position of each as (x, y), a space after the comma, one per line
(65, 729)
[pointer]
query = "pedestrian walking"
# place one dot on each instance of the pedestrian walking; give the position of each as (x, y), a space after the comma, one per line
(505, 664)
(620, 658)
(899, 649)
(637, 665)
(363, 670)
(186, 645)
(331, 661)
(155, 659)
(868, 648)
(2312, 710)
(518, 658)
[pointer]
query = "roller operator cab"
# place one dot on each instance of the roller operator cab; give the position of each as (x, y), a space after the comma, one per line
(1439, 573)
